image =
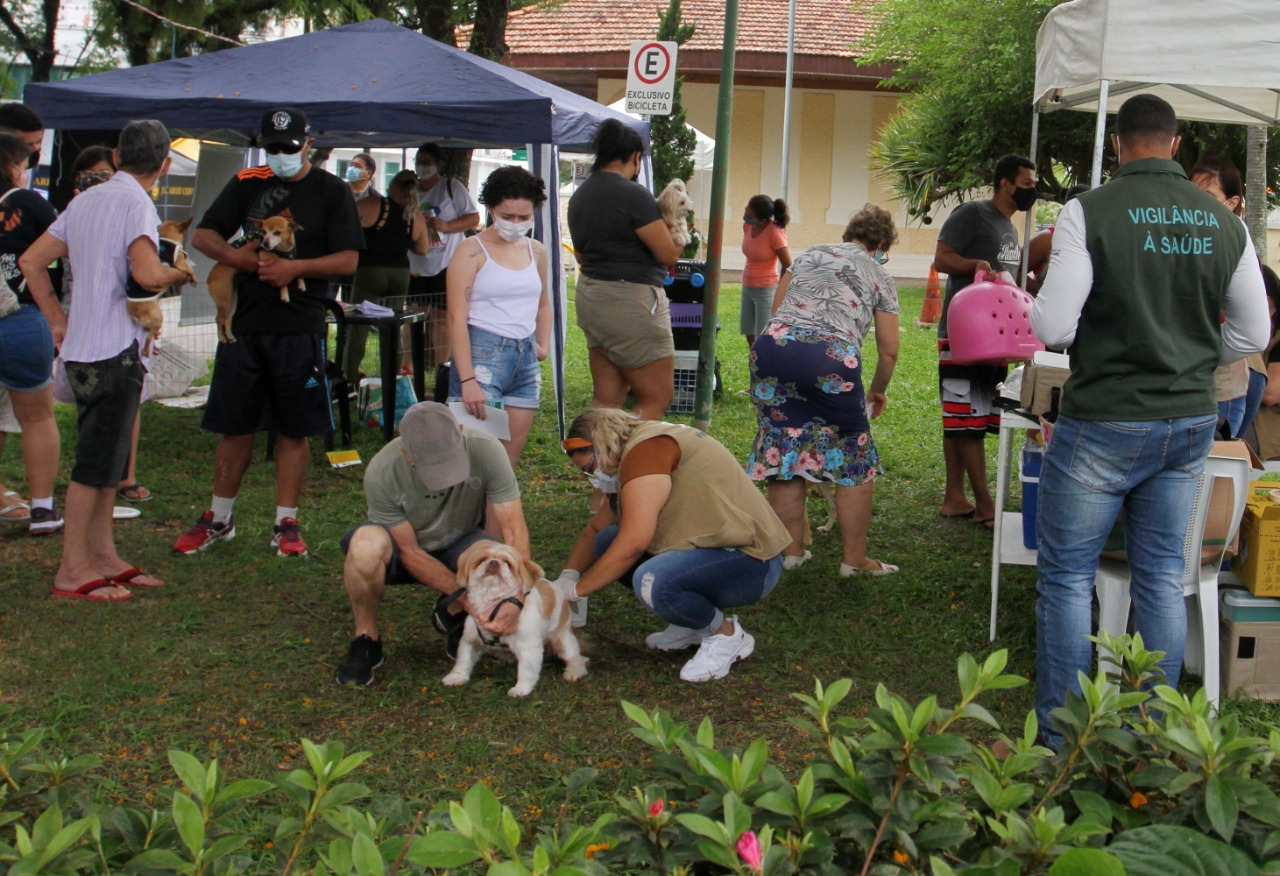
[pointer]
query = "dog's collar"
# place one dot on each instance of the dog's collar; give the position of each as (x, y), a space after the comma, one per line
(493, 615)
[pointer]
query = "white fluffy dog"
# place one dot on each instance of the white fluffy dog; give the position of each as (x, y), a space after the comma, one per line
(494, 574)
(674, 204)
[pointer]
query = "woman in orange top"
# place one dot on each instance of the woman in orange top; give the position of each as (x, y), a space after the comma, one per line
(764, 243)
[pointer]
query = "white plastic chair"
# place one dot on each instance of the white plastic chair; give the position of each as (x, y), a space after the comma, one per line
(1200, 579)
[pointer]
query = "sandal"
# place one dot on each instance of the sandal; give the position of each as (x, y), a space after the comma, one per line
(135, 493)
(883, 568)
(15, 503)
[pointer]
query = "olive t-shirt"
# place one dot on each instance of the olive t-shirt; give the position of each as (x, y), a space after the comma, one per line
(604, 214)
(396, 494)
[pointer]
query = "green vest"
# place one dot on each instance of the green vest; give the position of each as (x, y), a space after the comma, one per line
(1150, 333)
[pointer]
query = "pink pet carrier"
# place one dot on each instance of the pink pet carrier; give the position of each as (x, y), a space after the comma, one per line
(989, 323)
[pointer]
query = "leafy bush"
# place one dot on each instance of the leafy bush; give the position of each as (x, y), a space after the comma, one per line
(1148, 781)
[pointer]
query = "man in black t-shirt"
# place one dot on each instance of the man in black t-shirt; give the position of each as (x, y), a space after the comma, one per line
(273, 376)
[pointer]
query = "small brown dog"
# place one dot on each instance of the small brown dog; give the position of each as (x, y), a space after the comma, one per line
(674, 204)
(277, 241)
(144, 307)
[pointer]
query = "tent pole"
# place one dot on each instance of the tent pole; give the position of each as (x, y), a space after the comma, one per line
(1026, 229)
(544, 159)
(784, 188)
(715, 236)
(1099, 135)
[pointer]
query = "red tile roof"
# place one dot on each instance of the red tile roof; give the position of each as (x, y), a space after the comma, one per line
(823, 27)
(573, 41)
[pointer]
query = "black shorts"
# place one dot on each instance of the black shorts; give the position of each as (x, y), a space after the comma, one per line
(107, 394)
(397, 574)
(273, 382)
(430, 291)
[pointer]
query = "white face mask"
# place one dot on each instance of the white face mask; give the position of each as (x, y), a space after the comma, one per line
(512, 231)
(426, 171)
(24, 179)
(285, 166)
(605, 483)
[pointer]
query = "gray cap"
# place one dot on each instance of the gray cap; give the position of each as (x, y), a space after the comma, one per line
(430, 435)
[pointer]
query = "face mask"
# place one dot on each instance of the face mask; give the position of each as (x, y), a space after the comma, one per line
(750, 220)
(880, 257)
(427, 171)
(511, 231)
(285, 166)
(1024, 198)
(24, 181)
(605, 483)
(354, 174)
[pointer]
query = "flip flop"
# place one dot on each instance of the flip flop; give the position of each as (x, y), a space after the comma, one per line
(123, 512)
(988, 522)
(86, 591)
(885, 569)
(17, 505)
(968, 513)
(135, 492)
(128, 575)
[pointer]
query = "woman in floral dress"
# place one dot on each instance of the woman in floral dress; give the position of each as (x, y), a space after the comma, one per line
(806, 384)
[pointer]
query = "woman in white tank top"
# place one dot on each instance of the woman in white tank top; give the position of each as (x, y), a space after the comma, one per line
(500, 307)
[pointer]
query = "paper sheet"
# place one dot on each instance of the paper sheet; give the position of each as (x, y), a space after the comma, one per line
(494, 422)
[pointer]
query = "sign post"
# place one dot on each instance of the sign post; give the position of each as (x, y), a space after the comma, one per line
(651, 78)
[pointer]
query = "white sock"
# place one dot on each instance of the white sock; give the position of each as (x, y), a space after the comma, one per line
(283, 512)
(222, 509)
(46, 503)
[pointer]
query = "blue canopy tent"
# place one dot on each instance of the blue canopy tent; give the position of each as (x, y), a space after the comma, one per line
(367, 84)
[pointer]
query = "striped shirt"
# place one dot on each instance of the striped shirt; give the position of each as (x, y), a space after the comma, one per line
(98, 227)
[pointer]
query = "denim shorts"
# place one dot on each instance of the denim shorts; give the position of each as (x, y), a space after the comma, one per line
(505, 368)
(26, 350)
(107, 394)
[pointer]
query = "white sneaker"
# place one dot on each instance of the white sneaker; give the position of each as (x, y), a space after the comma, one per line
(674, 638)
(718, 654)
(796, 562)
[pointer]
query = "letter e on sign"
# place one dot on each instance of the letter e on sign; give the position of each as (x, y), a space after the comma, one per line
(651, 78)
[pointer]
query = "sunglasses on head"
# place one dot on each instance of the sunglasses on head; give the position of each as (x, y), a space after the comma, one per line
(283, 149)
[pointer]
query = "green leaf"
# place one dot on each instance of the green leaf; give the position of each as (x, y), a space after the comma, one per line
(967, 670)
(703, 826)
(189, 821)
(1164, 850)
(347, 764)
(223, 846)
(442, 850)
(1087, 862)
(779, 802)
(156, 859)
(64, 838)
(366, 857)
(341, 794)
(579, 779)
(1221, 807)
(242, 790)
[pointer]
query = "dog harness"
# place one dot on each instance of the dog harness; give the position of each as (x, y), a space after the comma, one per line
(484, 634)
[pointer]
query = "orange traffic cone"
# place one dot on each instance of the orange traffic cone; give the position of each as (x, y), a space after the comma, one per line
(931, 308)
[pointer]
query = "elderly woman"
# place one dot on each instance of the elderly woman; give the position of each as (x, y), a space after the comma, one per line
(806, 384)
(683, 528)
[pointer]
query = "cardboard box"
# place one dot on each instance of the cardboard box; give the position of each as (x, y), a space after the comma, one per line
(1250, 654)
(1258, 563)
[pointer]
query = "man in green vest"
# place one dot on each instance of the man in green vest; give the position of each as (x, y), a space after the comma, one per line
(1144, 270)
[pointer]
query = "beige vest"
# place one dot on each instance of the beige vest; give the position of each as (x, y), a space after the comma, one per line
(713, 504)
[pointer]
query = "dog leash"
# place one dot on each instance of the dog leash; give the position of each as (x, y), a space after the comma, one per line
(493, 616)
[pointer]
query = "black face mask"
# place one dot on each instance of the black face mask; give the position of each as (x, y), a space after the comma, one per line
(1024, 198)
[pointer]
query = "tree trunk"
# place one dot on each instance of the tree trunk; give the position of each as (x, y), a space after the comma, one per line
(435, 19)
(488, 35)
(39, 48)
(1255, 189)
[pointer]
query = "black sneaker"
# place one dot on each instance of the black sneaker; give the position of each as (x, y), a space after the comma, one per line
(451, 625)
(44, 521)
(363, 656)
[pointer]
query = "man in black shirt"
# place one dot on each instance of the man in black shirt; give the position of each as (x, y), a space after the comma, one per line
(273, 376)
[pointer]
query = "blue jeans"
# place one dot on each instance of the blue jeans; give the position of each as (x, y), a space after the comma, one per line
(691, 588)
(1253, 399)
(1091, 471)
(1233, 412)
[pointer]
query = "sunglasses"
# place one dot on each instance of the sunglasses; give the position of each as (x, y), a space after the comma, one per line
(283, 149)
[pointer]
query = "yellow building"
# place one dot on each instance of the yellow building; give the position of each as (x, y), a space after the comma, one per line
(837, 106)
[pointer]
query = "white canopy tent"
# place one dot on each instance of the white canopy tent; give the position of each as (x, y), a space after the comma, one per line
(1213, 62)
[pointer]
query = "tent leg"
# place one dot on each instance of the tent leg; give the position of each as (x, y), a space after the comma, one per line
(1099, 136)
(545, 161)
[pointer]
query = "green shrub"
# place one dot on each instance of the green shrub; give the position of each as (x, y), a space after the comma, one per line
(1149, 781)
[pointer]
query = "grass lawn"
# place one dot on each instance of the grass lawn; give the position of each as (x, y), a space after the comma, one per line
(235, 657)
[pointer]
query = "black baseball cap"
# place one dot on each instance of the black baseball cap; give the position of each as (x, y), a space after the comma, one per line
(285, 125)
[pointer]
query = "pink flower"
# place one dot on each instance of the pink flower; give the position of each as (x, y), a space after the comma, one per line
(773, 456)
(851, 361)
(749, 849)
(794, 433)
(757, 474)
(862, 439)
(656, 808)
(775, 330)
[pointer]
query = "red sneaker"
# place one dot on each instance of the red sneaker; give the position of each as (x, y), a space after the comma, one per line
(287, 540)
(203, 534)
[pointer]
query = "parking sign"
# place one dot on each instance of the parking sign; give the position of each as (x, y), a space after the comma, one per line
(651, 78)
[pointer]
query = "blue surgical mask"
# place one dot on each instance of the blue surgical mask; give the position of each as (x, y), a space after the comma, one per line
(285, 166)
(750, 220)
(354, 174)
(880, 257)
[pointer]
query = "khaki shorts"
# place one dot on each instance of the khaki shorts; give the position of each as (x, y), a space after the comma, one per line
(631, 321)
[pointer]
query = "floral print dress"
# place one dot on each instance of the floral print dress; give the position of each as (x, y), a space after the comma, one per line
(806, 370)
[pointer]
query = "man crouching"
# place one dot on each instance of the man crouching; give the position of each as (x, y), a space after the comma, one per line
(427, 491)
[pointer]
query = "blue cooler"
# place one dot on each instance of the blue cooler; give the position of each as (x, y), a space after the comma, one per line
(1032, 460)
